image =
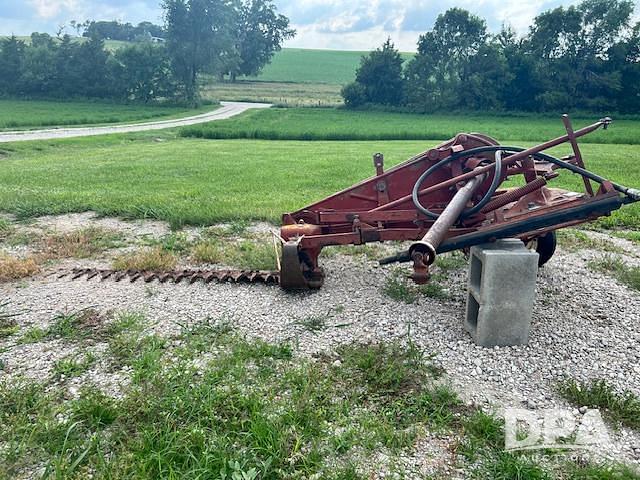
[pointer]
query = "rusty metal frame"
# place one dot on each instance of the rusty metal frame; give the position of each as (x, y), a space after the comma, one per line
(382, 208)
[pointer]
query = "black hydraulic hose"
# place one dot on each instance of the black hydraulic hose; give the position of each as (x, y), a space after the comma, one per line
(445, 161)
(633, 194)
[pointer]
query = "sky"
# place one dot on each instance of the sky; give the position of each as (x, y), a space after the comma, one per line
(333, 24)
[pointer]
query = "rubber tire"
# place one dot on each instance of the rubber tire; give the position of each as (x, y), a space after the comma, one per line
(546, 247)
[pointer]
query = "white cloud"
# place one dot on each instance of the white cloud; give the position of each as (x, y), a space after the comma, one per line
(338, 24)
(51, 8)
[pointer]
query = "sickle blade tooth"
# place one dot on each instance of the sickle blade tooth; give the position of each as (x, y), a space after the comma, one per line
(192, 276)
(164, 277)
(106, 274)
(92, 274)
(149, 277)
(79, 274)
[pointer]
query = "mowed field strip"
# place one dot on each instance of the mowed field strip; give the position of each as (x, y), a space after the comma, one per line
(228, 109)
(200, 182)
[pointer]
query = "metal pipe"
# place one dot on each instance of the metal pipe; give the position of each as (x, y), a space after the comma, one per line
(449, 216)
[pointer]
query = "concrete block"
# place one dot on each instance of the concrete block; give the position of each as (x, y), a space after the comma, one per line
(501, 292)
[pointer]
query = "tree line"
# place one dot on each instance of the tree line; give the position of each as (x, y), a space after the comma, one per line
(582, 57)
(115, 30)
(214, 37)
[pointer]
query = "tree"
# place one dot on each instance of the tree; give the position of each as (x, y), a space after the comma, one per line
(199, 35)
(486, 75)
(67, 78)
(11, 64)
(379, 79)
(142, 71)
(259, 34)
(440, 66)
(91, 66)
(521, 89)
(572, 45)
(380, 73)
(354, 95)
(39, 67)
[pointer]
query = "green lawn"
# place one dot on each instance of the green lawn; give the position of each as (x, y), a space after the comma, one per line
(314, 66)
(40, 113)
(137, 176)
(342, 124)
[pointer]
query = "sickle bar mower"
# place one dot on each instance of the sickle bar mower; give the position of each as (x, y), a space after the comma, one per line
(451, 197)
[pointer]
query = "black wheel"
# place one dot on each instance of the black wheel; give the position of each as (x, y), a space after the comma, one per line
(546, 247)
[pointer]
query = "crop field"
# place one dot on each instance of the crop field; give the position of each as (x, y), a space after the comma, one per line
(221, 180)
(314, 66)
(22, 114)
(342, 124)
(296, 77)
(278, 93)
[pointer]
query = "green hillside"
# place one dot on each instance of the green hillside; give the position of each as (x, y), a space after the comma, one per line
(300, 65)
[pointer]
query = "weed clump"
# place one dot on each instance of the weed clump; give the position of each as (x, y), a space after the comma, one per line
(12, 268)
(620, 407)
(150, 259)
(247, 254)
(398, 287)
(80, 243)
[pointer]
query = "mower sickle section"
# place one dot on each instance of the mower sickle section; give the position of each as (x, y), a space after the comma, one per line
(177, 276)
(447, 198)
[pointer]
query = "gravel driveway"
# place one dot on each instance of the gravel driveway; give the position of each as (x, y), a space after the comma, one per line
(228, 110)
(585, 324)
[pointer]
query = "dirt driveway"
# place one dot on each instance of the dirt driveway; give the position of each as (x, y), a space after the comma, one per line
(228, 110)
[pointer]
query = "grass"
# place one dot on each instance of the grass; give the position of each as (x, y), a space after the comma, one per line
(20, 114)
(136, 177)
(33, 335)
(251, 411)
(314, 323)
(247, 254)
(601, 472)
(632, 236)
(152, 259)
(76, 325)
(621, 408)
(616, 267)
(6, 228)
(73, 365)
(574, 240)
(209, 403)
(342, 124)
